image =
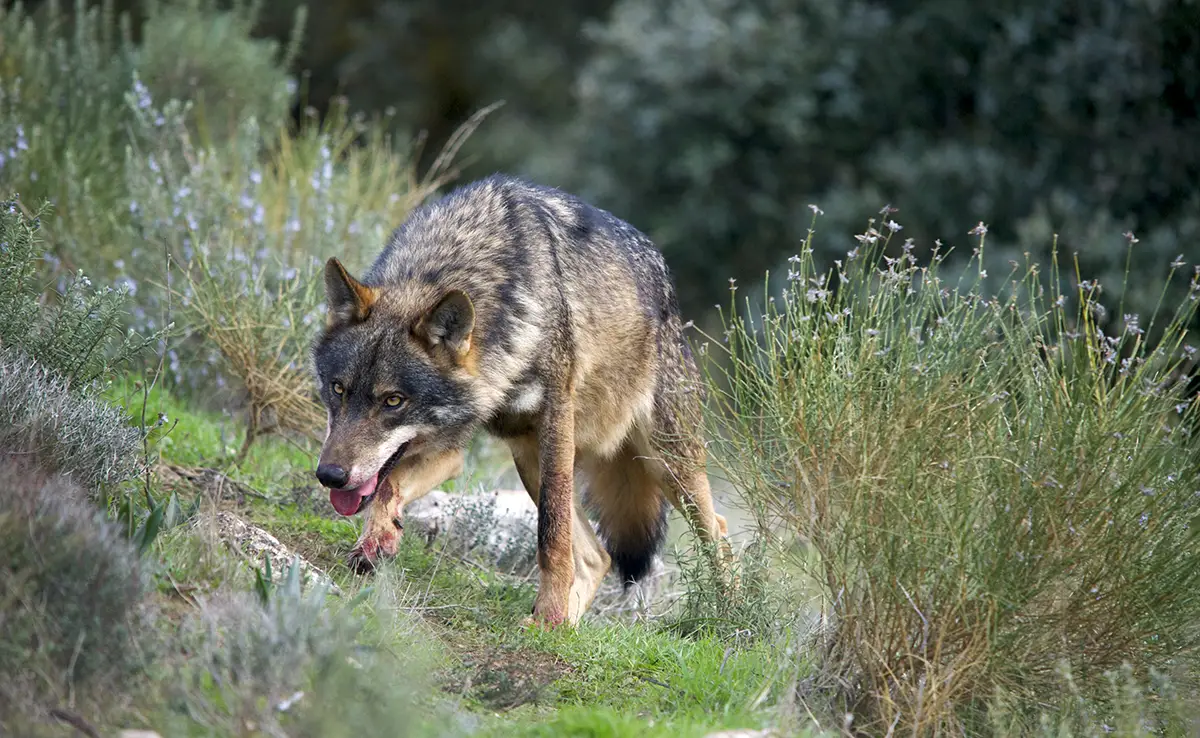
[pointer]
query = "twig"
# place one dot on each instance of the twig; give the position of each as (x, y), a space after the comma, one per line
(75, 721)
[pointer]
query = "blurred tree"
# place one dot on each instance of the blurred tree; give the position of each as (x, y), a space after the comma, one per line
(712, 123)
(436, 62)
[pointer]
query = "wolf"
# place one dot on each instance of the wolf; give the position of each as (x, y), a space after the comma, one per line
(522, 311)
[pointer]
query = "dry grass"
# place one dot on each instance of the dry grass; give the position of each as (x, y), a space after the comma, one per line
(986, 489)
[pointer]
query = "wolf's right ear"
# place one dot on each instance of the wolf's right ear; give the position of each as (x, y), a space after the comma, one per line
(449, 323)
(348, 299)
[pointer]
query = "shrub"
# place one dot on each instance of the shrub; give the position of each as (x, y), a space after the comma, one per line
(990, 489)
(249, 226)
(760, 607)
(293, 666)
(711, 123)
(71, 433)
(65, 123)
(62, 82)
(71, 588)
(76, 333)
(247, 78)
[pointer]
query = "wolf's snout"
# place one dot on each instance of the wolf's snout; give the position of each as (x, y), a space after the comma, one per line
(332, 475)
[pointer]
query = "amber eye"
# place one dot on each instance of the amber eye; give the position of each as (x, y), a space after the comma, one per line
(394, 401)
(338, 389)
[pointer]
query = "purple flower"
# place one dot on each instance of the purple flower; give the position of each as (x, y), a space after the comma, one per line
(143, 94)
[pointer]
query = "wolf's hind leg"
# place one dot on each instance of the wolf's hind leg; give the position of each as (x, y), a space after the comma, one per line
(630, 511)
(413, 478)
(677, 457)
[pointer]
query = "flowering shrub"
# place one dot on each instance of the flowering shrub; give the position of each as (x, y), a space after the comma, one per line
(232, 240)
(991, 490)
(72, 151)
(75, 332)
(179, 180)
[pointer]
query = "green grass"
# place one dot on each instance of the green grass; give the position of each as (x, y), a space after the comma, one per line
(606, 678)
(199, 438)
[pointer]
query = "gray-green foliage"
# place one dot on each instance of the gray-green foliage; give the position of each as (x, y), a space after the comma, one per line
(988, 488)
(62, 84)
(713, 123)
(198, 50)
(75, 332)
(70, 593)
(704, 123)
(70, 432)
(72, 151)
(54, 349)
(295, 665)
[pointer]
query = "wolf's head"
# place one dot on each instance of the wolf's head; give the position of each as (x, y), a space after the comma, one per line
(392, 369)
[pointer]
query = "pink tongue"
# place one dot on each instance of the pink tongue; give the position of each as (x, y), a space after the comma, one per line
(347, 501)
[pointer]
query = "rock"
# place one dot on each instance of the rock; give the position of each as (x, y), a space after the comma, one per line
(501, 524)
(138, 734)
(253, 543)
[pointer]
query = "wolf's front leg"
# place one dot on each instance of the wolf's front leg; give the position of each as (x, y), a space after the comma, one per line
(413, 478)
(556, 507)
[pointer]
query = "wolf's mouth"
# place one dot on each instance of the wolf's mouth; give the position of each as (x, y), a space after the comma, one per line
(349, 501)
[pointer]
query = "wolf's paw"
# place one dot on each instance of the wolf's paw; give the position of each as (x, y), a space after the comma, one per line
(546, 615)
(368, 553)
(541, 623)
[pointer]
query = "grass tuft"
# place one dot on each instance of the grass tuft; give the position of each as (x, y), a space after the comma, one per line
(987, 489)
(296, 665)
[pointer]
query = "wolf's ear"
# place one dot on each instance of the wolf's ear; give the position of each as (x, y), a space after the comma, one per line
(348, 299)
(449, 323)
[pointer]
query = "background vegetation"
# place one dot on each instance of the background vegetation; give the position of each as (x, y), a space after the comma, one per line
(964, 462)
(712, 124)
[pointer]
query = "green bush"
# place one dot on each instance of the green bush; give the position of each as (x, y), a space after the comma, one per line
(712, 123)
(70, 594)
(76, 333)
(988, 489)
(196, 50)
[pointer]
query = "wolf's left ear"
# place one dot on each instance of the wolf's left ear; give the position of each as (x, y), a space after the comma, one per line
(449, 323)
(349, 300)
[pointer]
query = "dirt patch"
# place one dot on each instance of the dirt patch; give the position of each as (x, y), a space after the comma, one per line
(504, 677)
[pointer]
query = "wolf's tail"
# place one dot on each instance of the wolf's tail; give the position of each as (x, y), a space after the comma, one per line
(633, 539)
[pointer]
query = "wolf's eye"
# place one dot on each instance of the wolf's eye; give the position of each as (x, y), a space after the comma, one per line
(394, 401)
(338, 389)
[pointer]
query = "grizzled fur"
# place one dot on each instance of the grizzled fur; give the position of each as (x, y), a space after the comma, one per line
(551, 324)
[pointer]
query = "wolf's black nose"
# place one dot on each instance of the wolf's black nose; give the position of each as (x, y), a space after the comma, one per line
(332, 475)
